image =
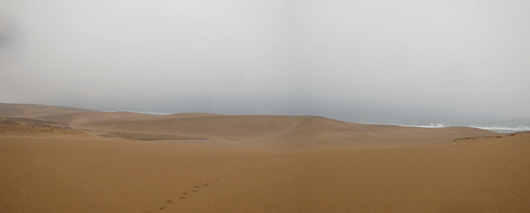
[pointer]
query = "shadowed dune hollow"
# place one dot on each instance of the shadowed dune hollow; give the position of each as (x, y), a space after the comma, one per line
(57, 159)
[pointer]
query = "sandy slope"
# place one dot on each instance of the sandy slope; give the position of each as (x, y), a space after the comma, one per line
(257, 164)
(68, 175)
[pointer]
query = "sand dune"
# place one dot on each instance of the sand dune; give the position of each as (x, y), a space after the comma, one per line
(282, 132)
(130, 162)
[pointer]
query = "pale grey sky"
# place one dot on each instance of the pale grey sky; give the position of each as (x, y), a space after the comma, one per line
(455, 58)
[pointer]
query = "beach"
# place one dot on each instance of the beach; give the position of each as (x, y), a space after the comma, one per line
(58, 159)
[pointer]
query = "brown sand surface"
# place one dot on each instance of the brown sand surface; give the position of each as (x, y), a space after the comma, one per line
(218, 163)
(272, 132)
(293, 133)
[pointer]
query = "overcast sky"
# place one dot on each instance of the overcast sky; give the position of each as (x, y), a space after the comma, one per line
(339, 59)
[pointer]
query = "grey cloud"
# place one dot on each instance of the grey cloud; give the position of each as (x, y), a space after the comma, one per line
(340, 59)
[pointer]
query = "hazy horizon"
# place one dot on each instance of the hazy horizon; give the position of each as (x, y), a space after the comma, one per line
(338, 59)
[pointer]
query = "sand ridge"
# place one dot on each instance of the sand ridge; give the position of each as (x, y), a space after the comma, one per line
(294, 133)
(246, 131)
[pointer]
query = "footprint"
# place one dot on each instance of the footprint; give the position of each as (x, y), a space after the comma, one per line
(186, 193)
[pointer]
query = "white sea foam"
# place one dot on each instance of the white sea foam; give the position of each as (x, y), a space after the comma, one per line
(500, 129)
(504, 129)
